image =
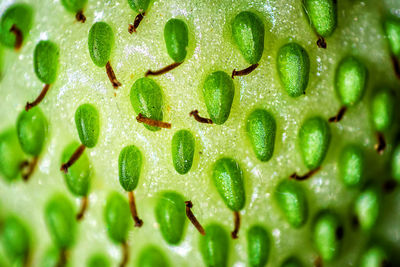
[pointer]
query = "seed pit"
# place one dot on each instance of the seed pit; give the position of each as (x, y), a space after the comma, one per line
(381, 145)
(193, 218)
(245, 71)
(132, 206)
(339, 233)
(163, 70)
(80, 16)
(321, 43)
(396, 66)
(197, 117)
(39, 99)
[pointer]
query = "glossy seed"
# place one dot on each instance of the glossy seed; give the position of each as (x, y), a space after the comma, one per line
(293, 66)
(176, 36)
(151, 256)
(291, 199)
(214, 246)
(15, 238)
(45, 61)
(395, 163)
(32, 129)
(392, 30)
(351, 165)
(117, 217)
(98, 260)
(322, 15)
(366, 208)
(11, 155)
(87, 124)
(21, 17)
(258, 246)
(261, 130)
(375, 256)
(218, 93)
(101, 41)
(130, 166)
(78, 176)
(146, 99)
(350, 81)
(383, 110)
(291, 262)
(50, 257)
(248, 34)
(314, 139)
(170, 215)
(327, 234)
(60, 221)
(182, 148)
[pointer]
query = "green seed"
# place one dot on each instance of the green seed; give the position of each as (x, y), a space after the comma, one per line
(15, 238)
(350, 81)
(351, 165)
(176, 38)
(322, 15)
(101, 41)
(170, 215)
(74, 6)
(78, 176)
(45, 61)
(50, 257)
(327, 234)
(261, 130)
(228, 179)
(151, 256)
(32, 129)
(366, 208)
(383, 110)
(139, 6)
(375, 256)
(60, 220)
(248, 34)
(11, 155)
(182, 151)
(292, 262)
(396, 163)
(117, 217)
(146, 98)
(87, 124)
(392, 29)
(314, 139)
(292, 201)
(130, 165)
(218, 93)
(258, 246)
(214, 246)
(98, 260)
(20, 15)
(293, 66)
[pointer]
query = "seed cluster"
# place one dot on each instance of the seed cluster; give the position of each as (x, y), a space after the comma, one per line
(171, 209)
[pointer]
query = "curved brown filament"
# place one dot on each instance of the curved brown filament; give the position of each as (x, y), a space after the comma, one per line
(18, 37)
(389, 185)
(125, 254)
(78, 152)
(132, 27)
(235, 231)
(155, 123)
(80, 16)
(193, 218)
(321, 43)
(309, 174)
(62, 260)
(245, 71)
(111, 76)
(339, 115)
(396, 66)
(381, 145)
(163, 70)
(39, 99)
(84, 204)
(30, 168)
(197, 117)
(132, 206)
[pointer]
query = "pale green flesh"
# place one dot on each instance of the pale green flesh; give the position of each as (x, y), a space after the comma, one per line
(210, 49)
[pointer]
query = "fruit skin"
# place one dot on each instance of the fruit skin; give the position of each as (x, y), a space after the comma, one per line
(130, 165)
(228, 179)
(11, 155)
(100, 42)
(32, 130)
(87, 124)
(248, 34)
(214, 246)
(45, 61)
(139, 6)
(176, 36)
(117, 217)
(15, 238)
(322, 15)
(74, 5)
(182, 150)
(19, 14)
(151, 256)
(170, 215)
(293, 66)
(218, 93)
(351, 164)
(258, 246)
(146, 98)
